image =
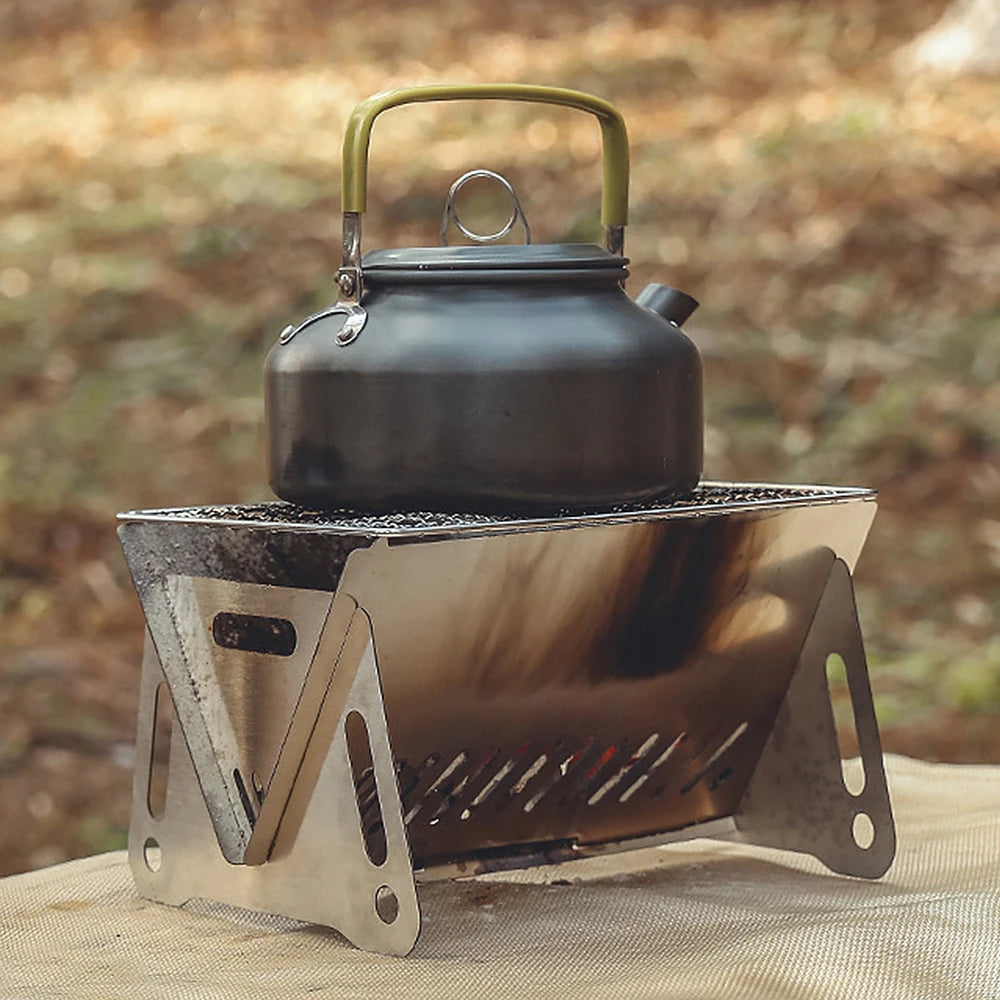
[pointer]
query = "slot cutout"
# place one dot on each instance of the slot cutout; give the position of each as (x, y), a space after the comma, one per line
(845, 724)
(359, 750)
(159, 752)
(254, 633)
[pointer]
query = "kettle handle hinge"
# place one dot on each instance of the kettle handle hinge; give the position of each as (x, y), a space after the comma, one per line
(349, 277)
(614, 240)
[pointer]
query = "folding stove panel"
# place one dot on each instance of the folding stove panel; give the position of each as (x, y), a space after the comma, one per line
(366, 698)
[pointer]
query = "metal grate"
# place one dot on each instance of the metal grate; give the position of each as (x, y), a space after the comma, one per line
(708, 498)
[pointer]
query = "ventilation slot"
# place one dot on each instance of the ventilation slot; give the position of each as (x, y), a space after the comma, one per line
(653, 768)
(627, 768)
(714, 758)
(442, 792)
(473, 780)
(594, 773)
(561, 776)
(415, 781)
(471, 783)
(522, 783)
(491, 785)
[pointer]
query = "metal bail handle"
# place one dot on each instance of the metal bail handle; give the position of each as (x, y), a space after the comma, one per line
(451, 212)
(354, 181)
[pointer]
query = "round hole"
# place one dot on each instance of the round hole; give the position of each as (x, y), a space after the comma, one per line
(152, 854)
(386, 904)
(863, 831)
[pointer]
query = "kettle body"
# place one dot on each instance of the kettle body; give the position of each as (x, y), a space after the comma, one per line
(487, 389)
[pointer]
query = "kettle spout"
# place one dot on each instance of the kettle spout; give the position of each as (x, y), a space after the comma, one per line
(672, 304)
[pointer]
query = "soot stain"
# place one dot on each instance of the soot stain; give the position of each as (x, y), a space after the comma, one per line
(625, 613)
(694, 578)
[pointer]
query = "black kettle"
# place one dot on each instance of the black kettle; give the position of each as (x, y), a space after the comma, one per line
(488, 378)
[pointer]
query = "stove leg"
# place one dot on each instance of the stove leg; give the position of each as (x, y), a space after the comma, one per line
(797, 798)
(339, 856)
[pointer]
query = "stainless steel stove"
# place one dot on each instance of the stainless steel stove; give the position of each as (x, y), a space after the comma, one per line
(362, 703)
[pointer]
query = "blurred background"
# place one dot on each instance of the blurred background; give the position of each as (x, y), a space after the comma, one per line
(169, 187)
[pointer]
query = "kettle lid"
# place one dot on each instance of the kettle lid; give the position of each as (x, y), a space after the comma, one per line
(479, 263)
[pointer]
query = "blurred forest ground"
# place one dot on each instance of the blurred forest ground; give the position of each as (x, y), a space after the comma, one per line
(169, 192)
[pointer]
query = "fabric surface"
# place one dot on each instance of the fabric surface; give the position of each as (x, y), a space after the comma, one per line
(696, 920)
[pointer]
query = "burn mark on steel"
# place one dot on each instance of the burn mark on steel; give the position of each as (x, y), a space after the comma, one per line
(629, 608)
(310, 560)
(692, 581)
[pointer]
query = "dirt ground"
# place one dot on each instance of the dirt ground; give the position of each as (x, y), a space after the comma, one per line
(169, 200)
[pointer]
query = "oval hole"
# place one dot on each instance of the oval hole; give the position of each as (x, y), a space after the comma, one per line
(152, 855)
(386, 904)
(863, 831)
(159, 753)
(838, 686)
(359, 751)
(254, 633)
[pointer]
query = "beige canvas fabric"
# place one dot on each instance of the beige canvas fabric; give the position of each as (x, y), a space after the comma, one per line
(698, 920)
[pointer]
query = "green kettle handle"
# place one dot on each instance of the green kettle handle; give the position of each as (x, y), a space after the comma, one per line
(354, 182)
(614, 203)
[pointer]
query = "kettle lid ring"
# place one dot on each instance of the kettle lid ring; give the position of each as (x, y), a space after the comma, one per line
(451, 211)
